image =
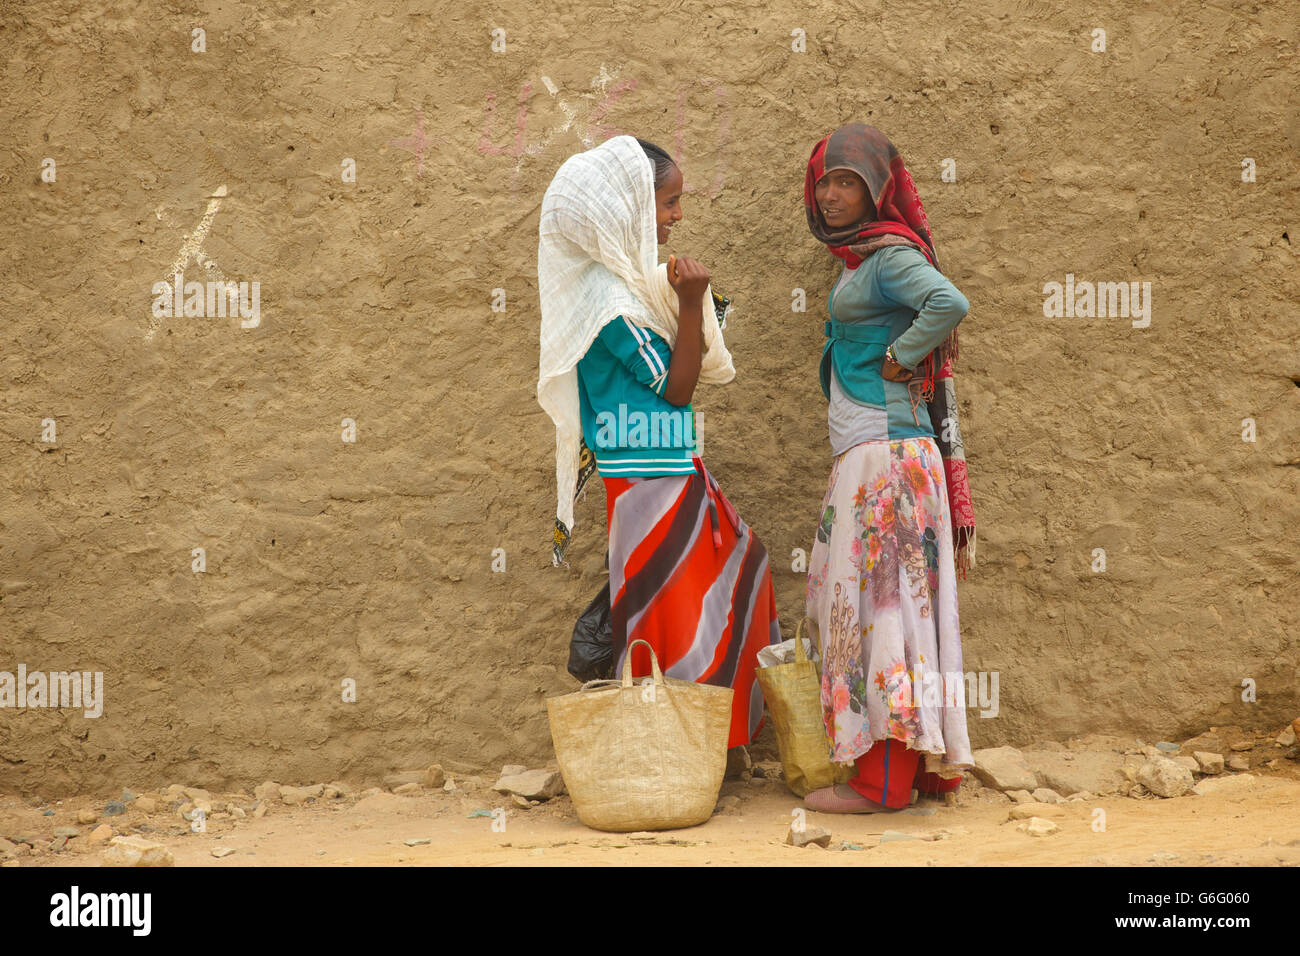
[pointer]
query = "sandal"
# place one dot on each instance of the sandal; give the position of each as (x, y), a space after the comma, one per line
(841, 798)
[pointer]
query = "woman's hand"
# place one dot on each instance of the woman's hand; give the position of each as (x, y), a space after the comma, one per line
(688, 278)
(893, 372)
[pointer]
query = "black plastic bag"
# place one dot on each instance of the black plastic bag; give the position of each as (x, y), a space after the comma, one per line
(591, 652)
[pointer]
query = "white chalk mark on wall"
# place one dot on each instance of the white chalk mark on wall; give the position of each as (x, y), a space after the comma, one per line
(192, 248)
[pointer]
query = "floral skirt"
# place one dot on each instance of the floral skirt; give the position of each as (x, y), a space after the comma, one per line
(882, 589)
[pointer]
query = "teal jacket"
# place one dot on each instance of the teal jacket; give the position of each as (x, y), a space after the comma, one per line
(627, 423)
(893, 298)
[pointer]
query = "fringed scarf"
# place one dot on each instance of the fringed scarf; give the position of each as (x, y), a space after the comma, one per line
(900, 220)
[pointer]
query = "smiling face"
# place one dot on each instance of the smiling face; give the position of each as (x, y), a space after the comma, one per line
(843, 199)
(668, 203)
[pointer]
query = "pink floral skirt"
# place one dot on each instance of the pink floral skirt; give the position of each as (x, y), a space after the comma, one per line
(882, 589)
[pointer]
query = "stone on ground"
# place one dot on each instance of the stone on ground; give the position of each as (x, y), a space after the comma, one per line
(808, 836)
(223, 851)
(267, 792)
(434, 777)
(87, 815)
(1021, 796)
(1226, 786)
(1045, 795)
(1004, 768)
(137, 851)
(1165, 778)
(395, 780)
(1238, 763)
(1209, 762)
(1027, 811)
(532, 784)
(1094, 771)
(1037, 826)
(407, 789)
(295, 796)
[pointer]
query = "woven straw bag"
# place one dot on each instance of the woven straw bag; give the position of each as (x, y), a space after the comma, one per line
(642, 757)
(793, 695)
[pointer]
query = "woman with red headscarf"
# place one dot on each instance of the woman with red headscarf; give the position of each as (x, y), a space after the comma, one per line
(896, 525)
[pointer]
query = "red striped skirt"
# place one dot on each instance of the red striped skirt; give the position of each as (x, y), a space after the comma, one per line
(687, 575)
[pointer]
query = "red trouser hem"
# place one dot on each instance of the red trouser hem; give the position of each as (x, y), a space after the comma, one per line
(889, 771)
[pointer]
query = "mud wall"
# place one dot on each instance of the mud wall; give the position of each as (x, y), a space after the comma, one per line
(371, 560)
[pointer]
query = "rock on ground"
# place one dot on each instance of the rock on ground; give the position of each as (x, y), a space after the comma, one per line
(1094, 771)
(137, 851)
(294, 796)
(532, 784)
(395, 780)
(1164, 778)
(1037, 826)
(434, 777)
(1231, 784)
(1027, 811)
(1004, 768)
(269, 791)
(808, 836)
(1209, 762)
(1045, 795)
(1021, 796)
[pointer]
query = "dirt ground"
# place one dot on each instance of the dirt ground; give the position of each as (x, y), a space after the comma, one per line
(330, 561)
(1259, 826)
(1249, 818)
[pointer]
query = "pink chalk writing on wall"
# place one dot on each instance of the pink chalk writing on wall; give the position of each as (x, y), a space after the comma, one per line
(592, 127)
(722, 141)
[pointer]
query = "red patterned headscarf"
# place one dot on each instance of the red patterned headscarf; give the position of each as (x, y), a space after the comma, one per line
(900, 220)
(900, 217)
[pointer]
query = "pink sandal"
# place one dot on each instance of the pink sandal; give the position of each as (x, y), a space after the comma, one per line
(841, 798)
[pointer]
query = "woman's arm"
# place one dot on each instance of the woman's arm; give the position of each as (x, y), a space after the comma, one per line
(905, 277)
(689, 279)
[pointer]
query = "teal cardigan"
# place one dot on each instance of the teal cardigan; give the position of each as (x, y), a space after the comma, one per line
(893, 298)
(627, 423)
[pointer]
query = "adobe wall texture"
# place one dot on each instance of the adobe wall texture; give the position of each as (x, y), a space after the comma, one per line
(371, 560)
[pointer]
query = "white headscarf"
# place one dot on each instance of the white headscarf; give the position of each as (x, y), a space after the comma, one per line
(597, 258)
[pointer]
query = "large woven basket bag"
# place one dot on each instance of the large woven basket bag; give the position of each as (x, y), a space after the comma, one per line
(642, 757)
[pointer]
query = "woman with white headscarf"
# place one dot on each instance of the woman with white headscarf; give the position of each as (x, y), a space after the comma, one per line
(624, 341)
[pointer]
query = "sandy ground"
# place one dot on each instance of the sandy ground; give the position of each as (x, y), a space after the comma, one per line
(1257, 823)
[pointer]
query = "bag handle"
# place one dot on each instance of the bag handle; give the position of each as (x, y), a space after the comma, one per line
(654, 663)
(800, 656)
